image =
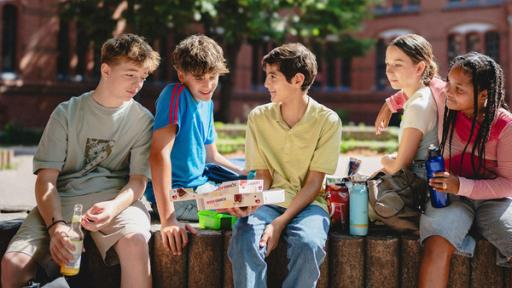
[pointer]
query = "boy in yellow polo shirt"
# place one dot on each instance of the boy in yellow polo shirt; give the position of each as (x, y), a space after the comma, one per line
(291, 143)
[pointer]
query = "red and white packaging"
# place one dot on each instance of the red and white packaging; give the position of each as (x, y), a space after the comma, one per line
(240, 186)
(337, 195)
(238, 193)
(182, 194)
(230, 200)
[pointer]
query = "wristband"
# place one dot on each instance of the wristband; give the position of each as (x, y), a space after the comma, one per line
(55, 222)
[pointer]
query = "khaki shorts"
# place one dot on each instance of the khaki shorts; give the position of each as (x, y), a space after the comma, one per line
(33, 239)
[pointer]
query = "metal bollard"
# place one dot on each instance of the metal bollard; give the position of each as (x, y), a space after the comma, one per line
(6, 157)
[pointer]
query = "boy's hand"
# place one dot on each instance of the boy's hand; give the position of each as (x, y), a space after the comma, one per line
(271, 235)
(239, 212)
(61, 247)
(175, 238)
(98, 216)
(382, 120)
(242, 171)
(445, 182)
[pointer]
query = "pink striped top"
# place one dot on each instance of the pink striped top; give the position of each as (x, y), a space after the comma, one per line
(498, 150)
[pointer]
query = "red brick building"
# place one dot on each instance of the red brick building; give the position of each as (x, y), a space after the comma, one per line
(44, 61)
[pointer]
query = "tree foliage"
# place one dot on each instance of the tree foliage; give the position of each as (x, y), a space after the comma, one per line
(231, 23)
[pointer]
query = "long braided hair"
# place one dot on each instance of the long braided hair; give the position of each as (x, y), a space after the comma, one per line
(486, 74)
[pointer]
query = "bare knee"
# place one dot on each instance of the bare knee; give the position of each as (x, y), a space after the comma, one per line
(133, 244)
(438, 246)
(17, 269)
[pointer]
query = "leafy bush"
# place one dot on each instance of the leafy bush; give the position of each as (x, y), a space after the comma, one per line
(231, 138)
(227, 146)
(389, 146)
(343, 114)
(360, 132)
(13, 134)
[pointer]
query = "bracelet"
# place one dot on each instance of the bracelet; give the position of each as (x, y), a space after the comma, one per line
(55, 222)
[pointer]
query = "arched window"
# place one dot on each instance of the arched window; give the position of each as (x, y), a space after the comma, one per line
(63, 50)
(9, 16)
(346, 73)
(334, 70)
(331, 62)
(259, 49)
(82, 45)
(472, 42)
(469, 37)
(453, 46)
(492, 45)
(163, 70)
(396, 5)
(380, 59)
(320, 77)
(256, 64)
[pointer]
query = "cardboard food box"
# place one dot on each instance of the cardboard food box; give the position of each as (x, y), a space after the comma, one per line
(240, 186)
(238, 193)
(230, 200)
(229, 187)
(182, 194)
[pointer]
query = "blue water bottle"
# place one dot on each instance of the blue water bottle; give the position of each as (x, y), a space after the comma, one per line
(358, 209)
(251, 175)
(435, 163)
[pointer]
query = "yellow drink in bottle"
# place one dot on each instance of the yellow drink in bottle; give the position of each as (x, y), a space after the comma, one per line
(73, 267)
(77, 238)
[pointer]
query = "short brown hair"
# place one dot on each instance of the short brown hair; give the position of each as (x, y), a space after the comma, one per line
(293, 58)
(129, 47)
(418, 49)
(199, 54)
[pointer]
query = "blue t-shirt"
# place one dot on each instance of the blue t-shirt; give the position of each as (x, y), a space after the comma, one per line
(195, 129)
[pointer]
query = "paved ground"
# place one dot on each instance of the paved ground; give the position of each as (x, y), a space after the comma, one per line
(17, 185)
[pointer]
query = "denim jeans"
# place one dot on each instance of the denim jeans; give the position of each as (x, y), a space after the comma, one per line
(491, 218)
(305, 236)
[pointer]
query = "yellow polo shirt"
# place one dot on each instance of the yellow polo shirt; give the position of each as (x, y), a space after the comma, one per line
(312, 144)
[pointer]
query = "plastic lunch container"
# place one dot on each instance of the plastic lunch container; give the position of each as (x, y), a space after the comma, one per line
(209, 219)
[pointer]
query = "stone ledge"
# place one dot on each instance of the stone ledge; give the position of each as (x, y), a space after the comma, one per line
(378, 260)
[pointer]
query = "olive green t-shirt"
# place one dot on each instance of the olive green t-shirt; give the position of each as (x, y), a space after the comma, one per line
(95, 148)
(312, 144)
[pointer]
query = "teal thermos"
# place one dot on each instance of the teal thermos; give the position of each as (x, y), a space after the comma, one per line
(358, 209)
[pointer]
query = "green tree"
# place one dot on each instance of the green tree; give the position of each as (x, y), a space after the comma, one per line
(232, 23)
(94, 24)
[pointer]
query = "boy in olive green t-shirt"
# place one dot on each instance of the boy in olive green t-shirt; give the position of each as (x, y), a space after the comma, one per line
(291, 143)
(94, 151)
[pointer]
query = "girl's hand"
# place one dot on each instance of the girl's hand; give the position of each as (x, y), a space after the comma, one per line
(445, 182)
(382, 120)
(388, 162)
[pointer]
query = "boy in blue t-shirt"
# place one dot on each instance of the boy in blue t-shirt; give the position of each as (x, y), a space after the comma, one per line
(184, 134)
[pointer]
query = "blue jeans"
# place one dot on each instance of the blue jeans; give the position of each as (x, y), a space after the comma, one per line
(305, 235)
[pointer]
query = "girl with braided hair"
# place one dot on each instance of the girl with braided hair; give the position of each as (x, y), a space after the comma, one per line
(475, 131)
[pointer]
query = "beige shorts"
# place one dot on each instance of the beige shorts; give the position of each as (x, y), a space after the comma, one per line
(33, 239)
